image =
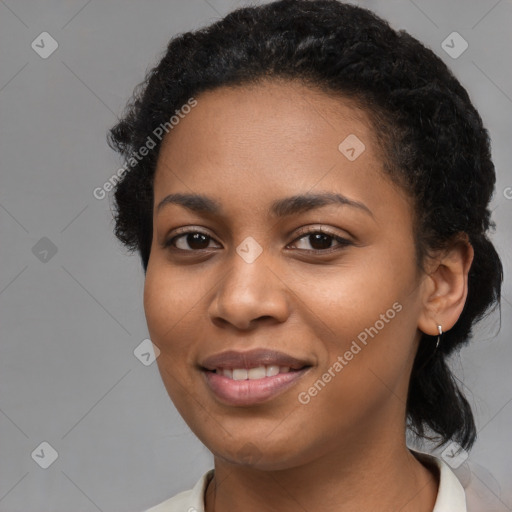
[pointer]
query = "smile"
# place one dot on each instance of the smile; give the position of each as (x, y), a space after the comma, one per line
(243, 387)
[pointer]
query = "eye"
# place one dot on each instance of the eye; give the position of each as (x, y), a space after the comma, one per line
(321, 240)
(195, 240)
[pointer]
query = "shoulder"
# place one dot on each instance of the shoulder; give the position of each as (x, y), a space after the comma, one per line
(186, 501)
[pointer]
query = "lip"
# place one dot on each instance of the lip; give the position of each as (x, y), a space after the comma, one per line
(253, 391)
(252, 359)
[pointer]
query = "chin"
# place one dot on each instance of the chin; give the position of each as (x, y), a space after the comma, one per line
(260, 456)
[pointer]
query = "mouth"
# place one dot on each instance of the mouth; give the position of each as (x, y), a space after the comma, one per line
(252, 377)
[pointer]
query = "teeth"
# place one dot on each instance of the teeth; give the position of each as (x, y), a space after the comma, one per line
(272, 370)
(253, 373)
(240, 374)
(256, 373)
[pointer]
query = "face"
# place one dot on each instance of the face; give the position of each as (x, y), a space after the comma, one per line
(287, 328)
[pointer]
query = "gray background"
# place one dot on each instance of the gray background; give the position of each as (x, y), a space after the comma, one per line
(70, 321)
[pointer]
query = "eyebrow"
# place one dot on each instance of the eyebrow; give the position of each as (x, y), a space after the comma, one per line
(280, 208)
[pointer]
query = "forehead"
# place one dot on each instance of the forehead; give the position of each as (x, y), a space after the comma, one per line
(268, 123)
(273, 103)
(272, 139)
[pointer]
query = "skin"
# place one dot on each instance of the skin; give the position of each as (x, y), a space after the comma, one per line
(345, 450)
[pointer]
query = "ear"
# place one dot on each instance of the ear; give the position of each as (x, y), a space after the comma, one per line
(445, 287)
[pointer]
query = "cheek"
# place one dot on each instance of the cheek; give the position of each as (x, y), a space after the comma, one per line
(168, 305)
(169, 309)
(346, 299)
(364, 316)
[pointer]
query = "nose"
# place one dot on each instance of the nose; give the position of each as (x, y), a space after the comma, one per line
(248, 294)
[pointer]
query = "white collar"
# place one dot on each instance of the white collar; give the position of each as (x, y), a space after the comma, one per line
(450, 494)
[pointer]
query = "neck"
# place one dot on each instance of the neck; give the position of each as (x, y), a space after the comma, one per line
(378, 476)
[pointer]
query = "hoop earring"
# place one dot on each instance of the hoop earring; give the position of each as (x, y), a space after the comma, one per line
(440, 329)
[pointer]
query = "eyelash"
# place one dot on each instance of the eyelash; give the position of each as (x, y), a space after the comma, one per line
(343, 242)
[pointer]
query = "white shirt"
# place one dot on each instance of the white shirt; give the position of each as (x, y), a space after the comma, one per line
(450, 495)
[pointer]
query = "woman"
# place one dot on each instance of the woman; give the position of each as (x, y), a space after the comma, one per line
(308, 191)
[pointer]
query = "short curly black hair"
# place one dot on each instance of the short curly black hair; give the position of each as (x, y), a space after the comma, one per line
(432, 138)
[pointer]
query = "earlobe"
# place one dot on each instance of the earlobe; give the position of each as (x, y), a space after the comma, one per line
(446, 287)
